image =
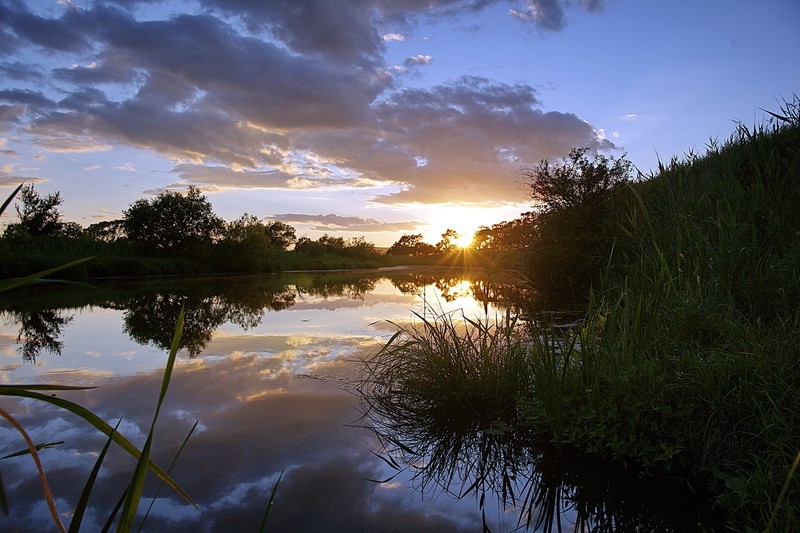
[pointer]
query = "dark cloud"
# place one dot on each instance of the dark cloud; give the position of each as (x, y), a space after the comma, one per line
(332, 222)
(459, 142)
(343, 31)
(287, 94)
(17, 70)
(66, 33)
(25, 97)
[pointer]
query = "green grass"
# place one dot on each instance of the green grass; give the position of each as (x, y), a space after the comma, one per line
(686, 364)
(444, 366)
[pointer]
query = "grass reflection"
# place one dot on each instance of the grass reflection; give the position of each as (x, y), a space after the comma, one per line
(440, 399)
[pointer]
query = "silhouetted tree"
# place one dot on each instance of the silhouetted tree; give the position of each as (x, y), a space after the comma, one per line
(38, 215)
(173, 222)
(107, 230)
(411, 245)
(569, 245)
(448, 242)
(577, 181)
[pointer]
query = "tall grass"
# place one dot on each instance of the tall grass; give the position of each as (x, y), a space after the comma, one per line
(687, 360)
(686, 363)
(444, 365)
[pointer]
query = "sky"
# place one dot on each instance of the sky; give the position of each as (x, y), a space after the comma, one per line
(371, 118)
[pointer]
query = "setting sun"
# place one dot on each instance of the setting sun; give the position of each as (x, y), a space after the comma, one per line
(464, 240)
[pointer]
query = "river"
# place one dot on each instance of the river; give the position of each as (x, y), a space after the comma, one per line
(266, 371)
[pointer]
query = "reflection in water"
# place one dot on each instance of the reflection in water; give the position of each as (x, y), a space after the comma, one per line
(540, 488)
(259, 419)
(39, 331)
(151, 308)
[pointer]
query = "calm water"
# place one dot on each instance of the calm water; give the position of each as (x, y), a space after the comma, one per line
(264, 371)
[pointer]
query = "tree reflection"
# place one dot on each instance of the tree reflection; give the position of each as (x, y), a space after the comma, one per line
(150, 307)
(39, 331)
(151, 318)
(548, 490)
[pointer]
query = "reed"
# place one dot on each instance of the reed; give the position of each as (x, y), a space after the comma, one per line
(444, 365)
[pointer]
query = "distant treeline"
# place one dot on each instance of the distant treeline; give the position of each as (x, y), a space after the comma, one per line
(557, 246)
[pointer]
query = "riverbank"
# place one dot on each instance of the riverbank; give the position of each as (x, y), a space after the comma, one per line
(685, 366)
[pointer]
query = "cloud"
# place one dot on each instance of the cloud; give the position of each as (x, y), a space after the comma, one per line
(473, 135)
(332, 222)
(394, 37)
(549, 14)
(287, 94)
(225, 178)
(9, 177)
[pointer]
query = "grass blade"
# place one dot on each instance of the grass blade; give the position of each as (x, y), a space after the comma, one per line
(83, 501)
(18, 282)
(137, 483)
(269, 504)
(48, 494)
(10, 198)
(169, 470)
(101, 425)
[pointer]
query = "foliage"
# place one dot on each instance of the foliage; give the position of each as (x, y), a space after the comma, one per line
(513, 235)
(447, 366)
(411, 244)
(172, 222)
(447, 244)
(335, 252)
(687, 360)
(38, 216)
(577, 181)
(571, 242)
(107, 230)
(144, 464)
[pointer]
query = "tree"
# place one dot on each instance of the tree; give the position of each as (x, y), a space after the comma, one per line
(107, 230)
(411, 245)
(173, 222)
(39, 216)
(280, 235)
(577, 181)
(507, 236)
(448, 243)
(570, 243)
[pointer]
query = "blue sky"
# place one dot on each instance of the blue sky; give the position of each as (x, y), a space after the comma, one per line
(369, 118)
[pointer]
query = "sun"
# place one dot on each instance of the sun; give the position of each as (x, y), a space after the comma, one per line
(464, 240)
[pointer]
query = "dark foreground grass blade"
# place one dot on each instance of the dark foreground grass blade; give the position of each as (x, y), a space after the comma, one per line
(8, 284)
(10, 198)
(137, 483)
(169, 470)
(48, 494)
(101, 425)
(80, 509)
(38, 447)
(269, 504)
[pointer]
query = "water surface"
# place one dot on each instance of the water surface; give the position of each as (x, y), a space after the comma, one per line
(264, 371)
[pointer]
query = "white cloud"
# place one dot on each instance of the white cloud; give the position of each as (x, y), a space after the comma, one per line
(393, 37)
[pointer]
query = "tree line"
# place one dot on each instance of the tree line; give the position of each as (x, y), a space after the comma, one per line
(558, 246)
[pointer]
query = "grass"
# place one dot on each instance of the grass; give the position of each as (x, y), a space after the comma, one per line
(686, 362)
(445, 365)
(144, 465)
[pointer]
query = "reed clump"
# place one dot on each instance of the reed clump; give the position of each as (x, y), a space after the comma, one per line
(445, 366)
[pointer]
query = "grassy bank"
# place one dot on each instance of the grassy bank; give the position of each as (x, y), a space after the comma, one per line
(686, 364)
